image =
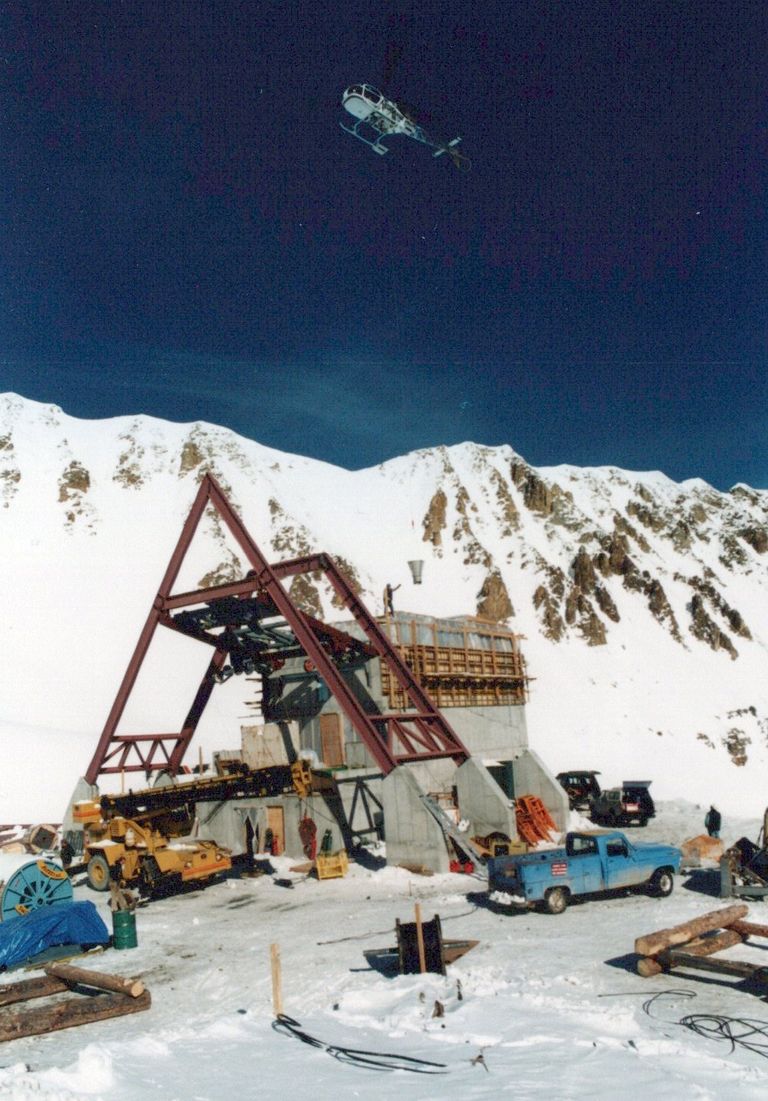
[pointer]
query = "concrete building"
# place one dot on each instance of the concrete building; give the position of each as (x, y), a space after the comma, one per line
(475, 674)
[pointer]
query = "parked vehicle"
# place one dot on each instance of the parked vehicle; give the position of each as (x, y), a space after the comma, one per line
(152, 851)
(581, 786)
(590, 862)
(623, 806)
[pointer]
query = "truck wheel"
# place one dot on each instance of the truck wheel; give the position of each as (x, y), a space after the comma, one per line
(98, 872)
(556, 900)
(642, 822)
(662, 883)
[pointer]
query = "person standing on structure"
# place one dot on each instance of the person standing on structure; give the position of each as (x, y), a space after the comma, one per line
(389, 592)
(713, 821)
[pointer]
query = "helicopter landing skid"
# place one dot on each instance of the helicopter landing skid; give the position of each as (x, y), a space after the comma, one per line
(375, 145)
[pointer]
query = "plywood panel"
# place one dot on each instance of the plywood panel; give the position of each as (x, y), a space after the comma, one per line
(331, 737)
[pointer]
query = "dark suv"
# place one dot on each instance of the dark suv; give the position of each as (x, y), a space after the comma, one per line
(582, 788)
(623, 806)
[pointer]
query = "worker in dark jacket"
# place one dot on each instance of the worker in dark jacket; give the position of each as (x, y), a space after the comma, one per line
(713, 821)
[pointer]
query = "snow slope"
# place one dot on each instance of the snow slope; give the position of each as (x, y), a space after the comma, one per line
(642, 602)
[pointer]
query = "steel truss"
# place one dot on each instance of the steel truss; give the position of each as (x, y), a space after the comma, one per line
(419, 732)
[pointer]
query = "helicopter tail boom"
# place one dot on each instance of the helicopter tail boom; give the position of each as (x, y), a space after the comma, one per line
(463, 163)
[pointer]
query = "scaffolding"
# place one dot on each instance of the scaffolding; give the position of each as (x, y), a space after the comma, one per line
(461, 663)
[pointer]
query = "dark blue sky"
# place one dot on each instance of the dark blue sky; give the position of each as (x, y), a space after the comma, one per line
(187, 232)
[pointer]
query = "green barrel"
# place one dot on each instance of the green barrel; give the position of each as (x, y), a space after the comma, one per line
(124, 929)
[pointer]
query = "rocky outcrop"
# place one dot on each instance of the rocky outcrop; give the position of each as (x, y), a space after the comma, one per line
(493, 599)
(508, 513)
(10, 475)
(552, 625)
(74, 482)
(737, 743)
(434, 522)
(706, 630)
(352, 576)
(191, 456)
(756, 537)
(74, 485)
(305, 594)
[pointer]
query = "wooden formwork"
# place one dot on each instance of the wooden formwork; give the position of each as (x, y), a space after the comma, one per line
(470, 665)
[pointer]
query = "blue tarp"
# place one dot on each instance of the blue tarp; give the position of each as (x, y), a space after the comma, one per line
(62, 923)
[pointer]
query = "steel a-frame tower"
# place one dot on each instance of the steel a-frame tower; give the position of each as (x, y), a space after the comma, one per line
(237, 621)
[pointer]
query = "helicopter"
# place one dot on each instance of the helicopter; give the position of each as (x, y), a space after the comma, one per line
(381, 117)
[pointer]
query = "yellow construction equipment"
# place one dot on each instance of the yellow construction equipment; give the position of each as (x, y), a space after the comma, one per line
(133, 853)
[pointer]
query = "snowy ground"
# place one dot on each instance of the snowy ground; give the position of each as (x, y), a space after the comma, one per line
(551, 1003)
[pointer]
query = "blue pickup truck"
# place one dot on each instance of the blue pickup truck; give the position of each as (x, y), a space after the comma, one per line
(592, 861)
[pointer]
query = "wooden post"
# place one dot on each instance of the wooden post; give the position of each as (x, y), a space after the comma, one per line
(277, 984)
(420, 939)
(78, 976)
(653, 943)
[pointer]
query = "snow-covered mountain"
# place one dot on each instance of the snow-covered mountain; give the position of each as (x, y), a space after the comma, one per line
(643, 602)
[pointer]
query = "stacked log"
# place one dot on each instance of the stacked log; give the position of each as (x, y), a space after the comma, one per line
(125, 996)
(695, 942)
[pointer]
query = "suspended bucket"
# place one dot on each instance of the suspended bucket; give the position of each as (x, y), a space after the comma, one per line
(27, 883)
(416, 567)
(124, 929)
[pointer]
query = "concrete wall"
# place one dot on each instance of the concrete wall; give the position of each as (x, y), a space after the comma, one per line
(482, 802)
(226, 822)
(532, 777)
(494, 732)
(411, 833)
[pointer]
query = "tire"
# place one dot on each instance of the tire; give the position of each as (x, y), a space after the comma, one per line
(662, 883)
(642, 822)
(556, 900)
(98, 872)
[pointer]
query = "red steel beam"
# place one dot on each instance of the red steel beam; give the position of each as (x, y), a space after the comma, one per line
(392, 739)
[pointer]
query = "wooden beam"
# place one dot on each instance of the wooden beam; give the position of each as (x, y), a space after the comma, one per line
(78, 976)
(749, 929)
(27, 989)
(74, 1011)
(738, 968)
(653, 943)
(707, 946)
